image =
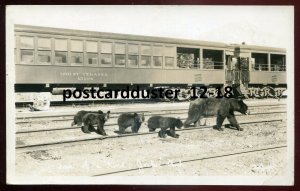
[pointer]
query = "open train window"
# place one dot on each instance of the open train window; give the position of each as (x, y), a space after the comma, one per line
(106, 54)
(120, 54)
(278, 62)
(44, 57)
(157, 56)
(60, 57)
(27, 50)
(133, 58)
(44, 50)
(260, 61)
(92, 53)
(213, 59)
(188, 57)
(146, 52)
(169, 52)
(61, 54)
(27, 57)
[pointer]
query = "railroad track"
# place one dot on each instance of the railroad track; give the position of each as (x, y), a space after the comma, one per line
(21, 104)
(86, 102)
(146, 115)
(114, 114)
(227, 154)
(51, 145)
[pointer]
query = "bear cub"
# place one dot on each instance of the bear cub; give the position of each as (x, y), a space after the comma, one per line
(132, 120)
(78, 117)
(164, 123)
(91, 119)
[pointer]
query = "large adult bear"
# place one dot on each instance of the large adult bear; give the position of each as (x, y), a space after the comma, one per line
(221, 108)
(91, 119)
(164, 123)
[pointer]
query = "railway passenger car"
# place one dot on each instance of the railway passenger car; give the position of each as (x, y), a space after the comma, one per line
(47, 59)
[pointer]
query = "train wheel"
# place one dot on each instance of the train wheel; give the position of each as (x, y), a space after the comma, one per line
(184, 95)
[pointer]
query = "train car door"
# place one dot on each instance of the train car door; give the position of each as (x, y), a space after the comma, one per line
(244, 71)
(231, 71)
(237, 72)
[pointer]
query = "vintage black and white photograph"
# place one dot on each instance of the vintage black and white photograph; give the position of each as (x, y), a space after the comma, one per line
(178, 95)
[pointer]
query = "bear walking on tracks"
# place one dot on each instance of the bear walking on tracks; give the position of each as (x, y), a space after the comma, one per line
(79, 115)
(132, 120)
(91, 119)
(222, 108)
(164, 123)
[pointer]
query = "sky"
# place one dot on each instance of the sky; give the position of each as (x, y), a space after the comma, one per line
(255, 25)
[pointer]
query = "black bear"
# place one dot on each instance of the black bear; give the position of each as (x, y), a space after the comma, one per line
(221, 108)
(91, 119)
(130, 119)
(78, 117)
(164, 123)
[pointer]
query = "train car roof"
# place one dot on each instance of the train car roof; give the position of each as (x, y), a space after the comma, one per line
(117, 36)
(254, 48)
(93, 34)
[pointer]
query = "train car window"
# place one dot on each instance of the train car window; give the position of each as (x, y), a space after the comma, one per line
(188, 57)
(106, 47)
(61, 48)
(76, 46)
(133, 58)
(260, 61)
(213, 59)
(157, 50)
(44, 53)
(91, 46)
(133, 49)
(157, 56)
(120, 57)
(146, 50)
(92, 58)
(60, 57)
(157, 61)
(106, 59)
(119, 48)
(77, 58)
(77, 52)
(146, 55)
(27, 57)
(278, 62)
(44, 43)
(44, 57)
(27, 50)
(169, 52)
(27, 42)
(106, 53)
(92, 53)
(145, 61)
(61, 44)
